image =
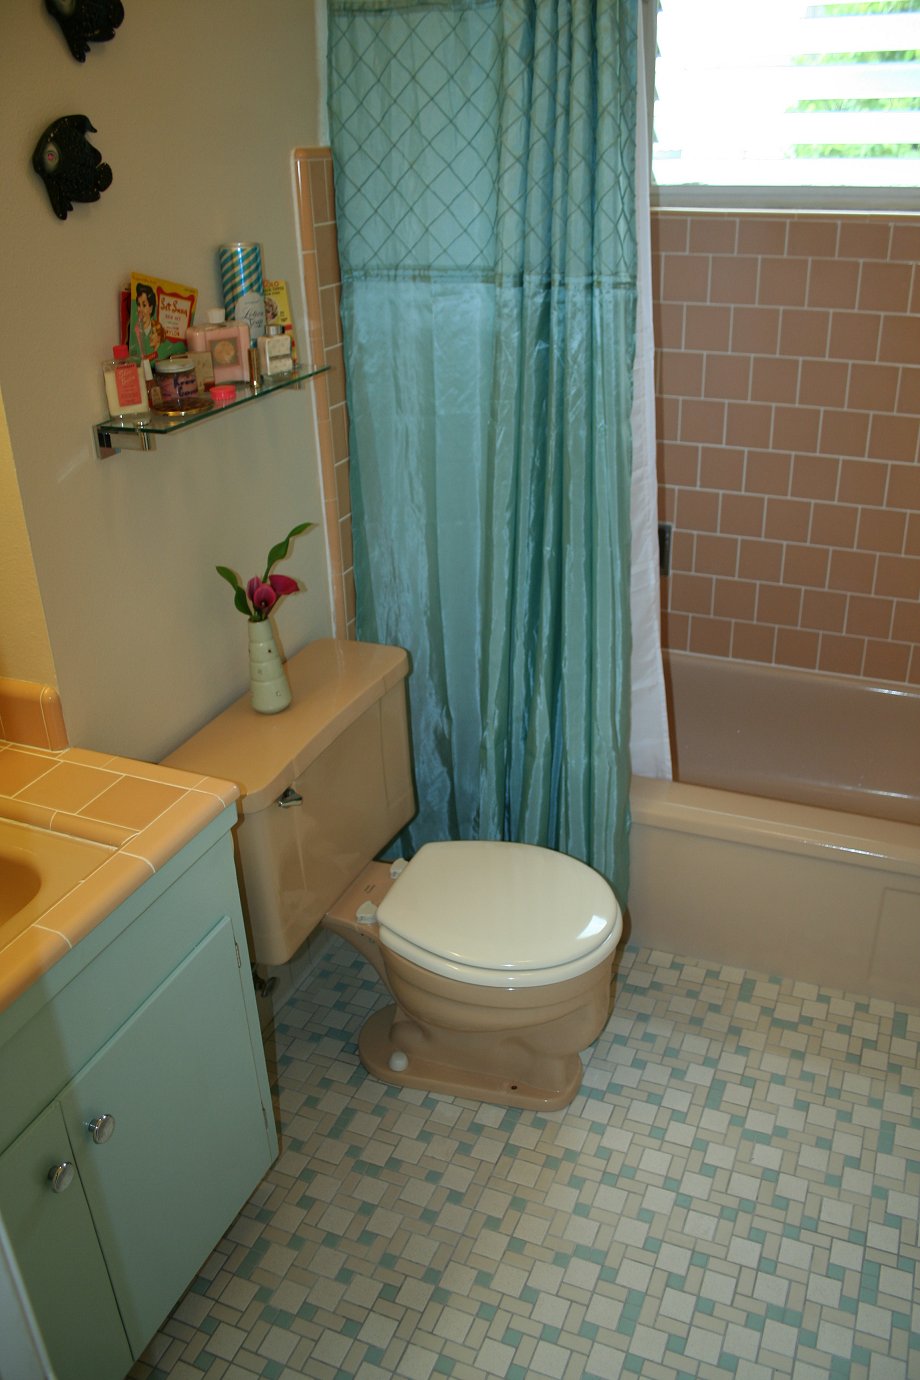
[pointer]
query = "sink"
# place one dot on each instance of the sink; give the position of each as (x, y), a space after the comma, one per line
(38, 868)
(20, 880)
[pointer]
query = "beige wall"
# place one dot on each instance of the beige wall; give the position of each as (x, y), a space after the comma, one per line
(197, 109)
(24, 648)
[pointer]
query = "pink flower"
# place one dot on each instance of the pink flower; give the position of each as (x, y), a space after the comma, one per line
(263, 592)
(261, 595)
(283, 584)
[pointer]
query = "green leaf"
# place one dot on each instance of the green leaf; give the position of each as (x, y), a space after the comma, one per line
(229, 575)
(239, 594)
(279, 552)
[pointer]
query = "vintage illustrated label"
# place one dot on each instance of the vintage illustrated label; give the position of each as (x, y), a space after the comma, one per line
(175, 312)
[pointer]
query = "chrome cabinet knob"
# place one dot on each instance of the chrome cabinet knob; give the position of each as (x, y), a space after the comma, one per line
(60, 1176)
(101, 1128)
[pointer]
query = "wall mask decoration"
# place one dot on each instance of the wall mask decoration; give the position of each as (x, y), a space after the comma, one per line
(86, 21)
(71, 169)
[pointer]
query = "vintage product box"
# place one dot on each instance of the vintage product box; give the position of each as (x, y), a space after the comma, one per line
(278, 309)
(160, 315)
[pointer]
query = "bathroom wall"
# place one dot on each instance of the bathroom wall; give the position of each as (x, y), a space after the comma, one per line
(197, 109)
(24, 640)
(788, 411)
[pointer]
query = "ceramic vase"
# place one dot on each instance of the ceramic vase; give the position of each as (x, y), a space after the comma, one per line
(268, 682)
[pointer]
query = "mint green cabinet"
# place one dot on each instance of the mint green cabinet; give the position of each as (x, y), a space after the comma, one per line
(58, 1254)
(188, 1138)
(142, 1068)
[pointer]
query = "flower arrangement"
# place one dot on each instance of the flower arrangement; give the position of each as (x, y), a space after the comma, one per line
(260, 595)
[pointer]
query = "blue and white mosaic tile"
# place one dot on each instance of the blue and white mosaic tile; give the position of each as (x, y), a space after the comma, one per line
(735, 1190)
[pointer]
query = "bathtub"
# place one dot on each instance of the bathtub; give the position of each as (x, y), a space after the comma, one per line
(789, 841)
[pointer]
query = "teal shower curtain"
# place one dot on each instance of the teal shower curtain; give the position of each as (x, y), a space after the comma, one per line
(484, 156)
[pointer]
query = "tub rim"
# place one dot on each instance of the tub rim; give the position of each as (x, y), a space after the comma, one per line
(807, 830)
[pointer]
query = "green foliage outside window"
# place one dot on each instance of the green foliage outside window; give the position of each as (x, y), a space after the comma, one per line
(840, 150)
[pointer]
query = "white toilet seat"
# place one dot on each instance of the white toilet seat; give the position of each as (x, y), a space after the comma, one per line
(499, 914)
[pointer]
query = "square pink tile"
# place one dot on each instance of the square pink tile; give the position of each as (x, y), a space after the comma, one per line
(783, 282)
(854, 335)
(795, 647)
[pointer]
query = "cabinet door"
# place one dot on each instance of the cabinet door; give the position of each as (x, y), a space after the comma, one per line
(190, 1140)
(59, 1257)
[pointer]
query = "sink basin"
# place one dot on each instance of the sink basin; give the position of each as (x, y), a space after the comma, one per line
(37, 868)
(20, 880)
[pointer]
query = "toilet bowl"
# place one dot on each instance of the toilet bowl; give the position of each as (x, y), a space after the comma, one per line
(497, 956)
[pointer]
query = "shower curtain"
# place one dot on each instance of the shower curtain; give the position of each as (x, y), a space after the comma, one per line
(649, 742)
(485, 159)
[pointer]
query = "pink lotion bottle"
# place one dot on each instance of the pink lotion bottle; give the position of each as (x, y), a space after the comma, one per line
(125, 389)
(227, 342)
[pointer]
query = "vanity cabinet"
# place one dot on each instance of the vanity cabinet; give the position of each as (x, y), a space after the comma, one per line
(58, 1255)
(156, 1121)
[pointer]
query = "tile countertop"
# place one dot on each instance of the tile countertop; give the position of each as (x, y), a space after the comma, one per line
(142, 813)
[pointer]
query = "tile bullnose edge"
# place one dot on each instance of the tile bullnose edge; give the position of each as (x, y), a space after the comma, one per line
(167, 835)
(93, 900)
(31, 714)
(26, 959)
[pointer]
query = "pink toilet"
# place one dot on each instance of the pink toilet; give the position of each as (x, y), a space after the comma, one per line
(498, 956)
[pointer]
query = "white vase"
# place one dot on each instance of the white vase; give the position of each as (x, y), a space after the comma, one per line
(268, 682)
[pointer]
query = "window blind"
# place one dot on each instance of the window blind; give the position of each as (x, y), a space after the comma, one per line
(783, 93)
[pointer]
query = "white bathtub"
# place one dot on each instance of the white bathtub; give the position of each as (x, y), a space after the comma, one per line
(790, 840)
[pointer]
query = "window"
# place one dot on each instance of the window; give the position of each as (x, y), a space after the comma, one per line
(769, 95)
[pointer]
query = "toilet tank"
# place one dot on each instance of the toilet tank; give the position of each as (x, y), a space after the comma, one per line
(343, 748)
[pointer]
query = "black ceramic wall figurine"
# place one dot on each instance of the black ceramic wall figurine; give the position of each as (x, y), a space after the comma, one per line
(71, 169)
(86, 21)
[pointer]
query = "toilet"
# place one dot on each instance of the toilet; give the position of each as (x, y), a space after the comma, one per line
(497, 956)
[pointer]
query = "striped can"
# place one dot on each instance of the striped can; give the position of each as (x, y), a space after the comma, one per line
(241, 284)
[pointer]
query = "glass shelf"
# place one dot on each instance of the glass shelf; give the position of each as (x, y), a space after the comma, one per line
(140, 433)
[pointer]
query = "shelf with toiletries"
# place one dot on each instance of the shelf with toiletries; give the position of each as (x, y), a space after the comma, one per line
(172, 370)
(139, 431)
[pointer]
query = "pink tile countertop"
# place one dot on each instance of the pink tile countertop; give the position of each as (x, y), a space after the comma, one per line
(141, 813)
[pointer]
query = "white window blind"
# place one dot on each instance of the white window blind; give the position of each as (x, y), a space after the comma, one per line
(770, 93)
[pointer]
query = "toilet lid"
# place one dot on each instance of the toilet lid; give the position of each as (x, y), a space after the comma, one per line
(500, 914)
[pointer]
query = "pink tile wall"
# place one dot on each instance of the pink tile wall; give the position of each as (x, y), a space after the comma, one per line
(322, 288)
(788, 382)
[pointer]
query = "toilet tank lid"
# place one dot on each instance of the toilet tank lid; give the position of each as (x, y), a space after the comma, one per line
(332, 684)
(500, 906)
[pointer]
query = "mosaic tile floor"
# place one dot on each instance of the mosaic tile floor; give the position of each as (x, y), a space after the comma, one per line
(735, 1190)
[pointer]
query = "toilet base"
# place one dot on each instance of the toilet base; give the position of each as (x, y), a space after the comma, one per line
(375, 1048)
